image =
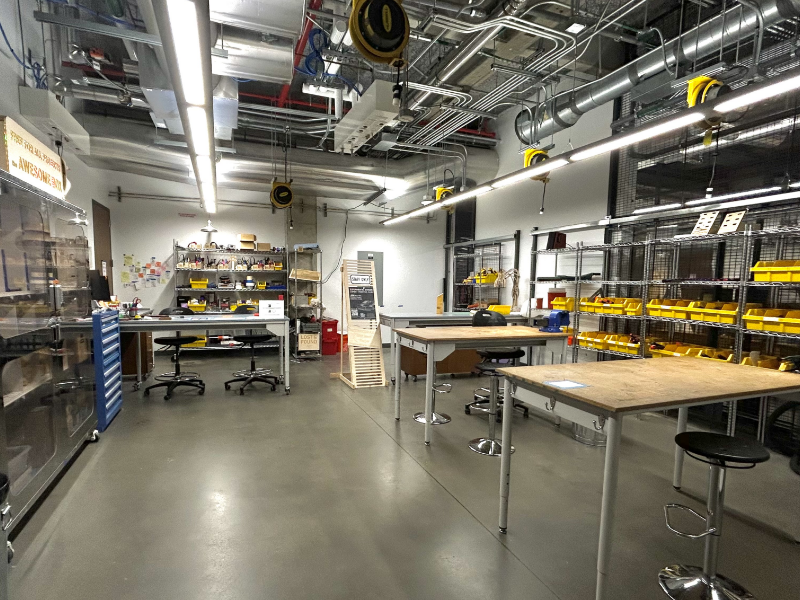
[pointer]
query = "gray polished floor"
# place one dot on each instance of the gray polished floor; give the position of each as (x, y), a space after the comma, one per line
(321, 494)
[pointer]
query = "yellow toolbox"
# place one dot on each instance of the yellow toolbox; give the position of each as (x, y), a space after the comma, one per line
(776, 270)
(777, 320)
(199, 343)
(199, 284)
(563, 303)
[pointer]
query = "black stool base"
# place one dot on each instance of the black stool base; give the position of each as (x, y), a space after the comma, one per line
(171, 385)
(682, 582)
(270, 380)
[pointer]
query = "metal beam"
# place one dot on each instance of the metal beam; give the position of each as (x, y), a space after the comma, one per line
(132, 35)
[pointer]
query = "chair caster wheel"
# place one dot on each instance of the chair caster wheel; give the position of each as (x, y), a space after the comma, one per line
(227, 387)
(467, 411)
(241, 391)
(167, 397)
(287, 391)
(503, 530)
(415, 377)
(202, 391)
(94, 437)
(147, 392)
(273, 388)
(452, 375)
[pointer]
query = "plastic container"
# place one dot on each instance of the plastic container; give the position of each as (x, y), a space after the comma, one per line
(199, 284)
(634, 308)
(488, 278)
(199, 343)
(677, 350)
(590, 306)
(777, 320)
(613, 306)
(562, 303)
(776, 270)
(660, 307)
(594, 339)
(330, 347)
(197, 306)
(503, 309)
(553, 293)
(329, 330)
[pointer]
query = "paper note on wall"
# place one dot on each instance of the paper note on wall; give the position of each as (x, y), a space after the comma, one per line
(125, 276)
(127, 260)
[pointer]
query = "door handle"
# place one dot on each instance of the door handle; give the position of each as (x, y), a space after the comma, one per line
(5, 517)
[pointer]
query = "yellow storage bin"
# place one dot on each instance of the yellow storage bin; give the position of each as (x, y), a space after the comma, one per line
(633, 308)
(562, 303)
(680, 310)
(613, 306)
(197, 306)
(503, 309)
(199, 343)
(261, 285)
(623, 343)
(660, 307)
(764, 361)
(777, 320)
(594, 339)
(590, 305)
(677, 350)
(485, 277)
(721, 354)
(776, 270)
(199, 284)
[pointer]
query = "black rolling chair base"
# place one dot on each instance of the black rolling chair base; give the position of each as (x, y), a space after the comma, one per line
(171, 385)
(176, 378)
(252, 375)
(688, 583)
(248, 379)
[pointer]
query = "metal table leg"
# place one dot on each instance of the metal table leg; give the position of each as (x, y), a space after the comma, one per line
(395, 363)
(138, 382)
(285, 353)
(677, 475)
(430, 374)
(505, 457)
(396, 366)
(609, 504)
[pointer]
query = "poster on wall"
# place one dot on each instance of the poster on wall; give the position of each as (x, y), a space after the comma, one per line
(28, 159)
(362, 303)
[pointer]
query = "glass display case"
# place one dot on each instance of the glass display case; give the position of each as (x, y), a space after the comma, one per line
(46, 373)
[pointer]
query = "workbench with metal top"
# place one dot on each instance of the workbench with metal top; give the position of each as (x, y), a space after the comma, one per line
(598, 395)
(403, 320)
(437, 343)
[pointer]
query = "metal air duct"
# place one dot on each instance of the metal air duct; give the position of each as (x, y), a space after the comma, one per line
(724, 29)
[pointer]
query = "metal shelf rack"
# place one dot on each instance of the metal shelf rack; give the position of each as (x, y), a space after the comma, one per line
(307, 259)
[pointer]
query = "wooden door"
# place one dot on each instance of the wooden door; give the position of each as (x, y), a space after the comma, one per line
(101, 225)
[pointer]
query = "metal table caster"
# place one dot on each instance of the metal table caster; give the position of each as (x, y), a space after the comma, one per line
(94, 437)
(288, 390)
(10, 551)
(136, 386)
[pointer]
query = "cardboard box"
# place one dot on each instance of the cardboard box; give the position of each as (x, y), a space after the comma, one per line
(305, 274)
(247, 245)
(247, 237)
(263, 246)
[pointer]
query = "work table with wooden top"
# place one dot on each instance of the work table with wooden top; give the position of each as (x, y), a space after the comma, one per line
(598, 395)
(439, 342)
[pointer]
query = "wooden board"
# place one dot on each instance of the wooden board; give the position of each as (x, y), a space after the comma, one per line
(653, 384)
(467, 333)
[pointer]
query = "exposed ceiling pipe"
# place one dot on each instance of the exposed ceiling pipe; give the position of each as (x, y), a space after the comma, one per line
(108, 96)
(148, 15)
(722, 30)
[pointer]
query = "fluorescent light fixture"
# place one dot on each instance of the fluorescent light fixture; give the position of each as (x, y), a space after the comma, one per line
(731, 196)
(205, 173)
(659, 208)
(576, 28)
(479, 191)
(198, 128)
(539, 169)
(209, 197)
(759, 95)
(620, 141)
(186, 37)
(422, 210)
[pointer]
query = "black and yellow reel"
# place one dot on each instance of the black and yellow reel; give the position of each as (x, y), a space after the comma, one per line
(380, 29)
(533, 157)
(704, 89)
(281, 195)
(442, 193)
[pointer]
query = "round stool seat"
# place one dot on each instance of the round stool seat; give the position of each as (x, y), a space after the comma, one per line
(501, 354)
(722, 448)
(175, 340)
(253, 339)
(489, 368)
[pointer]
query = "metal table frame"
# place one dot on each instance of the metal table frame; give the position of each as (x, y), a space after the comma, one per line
(436, 351)
(277, 325)
(596, 418)
(401, 320)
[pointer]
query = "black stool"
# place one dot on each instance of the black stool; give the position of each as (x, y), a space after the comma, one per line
(176, 378)
(481, 398)
(721, 452)
(254, 374)
(490, 446)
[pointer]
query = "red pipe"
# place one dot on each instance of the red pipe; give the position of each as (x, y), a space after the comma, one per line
(276, 99)
(298, 49)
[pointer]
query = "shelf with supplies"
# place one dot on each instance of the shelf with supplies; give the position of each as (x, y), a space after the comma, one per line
(231, 270)
(232, 251)
(305, 274)
(203, 290)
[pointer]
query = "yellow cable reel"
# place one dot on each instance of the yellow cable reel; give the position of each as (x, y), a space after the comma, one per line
(379, 30)
(281, 195)
(443, 193)
(534, 157)
(702, 89)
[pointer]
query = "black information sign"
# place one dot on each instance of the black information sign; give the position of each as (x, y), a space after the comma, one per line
(362, 303)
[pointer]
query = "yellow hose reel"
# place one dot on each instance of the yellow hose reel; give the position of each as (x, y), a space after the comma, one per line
(281, 195)
(379, 30)
(442, 193)
(703, 89)
(534, 157)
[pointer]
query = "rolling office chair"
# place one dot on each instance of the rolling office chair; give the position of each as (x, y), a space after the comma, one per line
(177, 378)
(490, 446)
(253, 374)
(721, 452)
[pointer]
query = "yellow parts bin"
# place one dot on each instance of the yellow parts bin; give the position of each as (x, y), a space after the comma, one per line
(197, 306)
(776, 270)
(625, 343)
(611, 306)
(594, 339)
(678, 350)
(777, 320)
(199, 284)
(563, 303)
(668, 308)
(261, 285)
(717, 312)
(764, 361)
(503, 309)
(199, 343)
(486, 277)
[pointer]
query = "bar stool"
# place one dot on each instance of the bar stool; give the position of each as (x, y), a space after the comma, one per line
(253, 374)
(721, 452)
(177, 378)
(490, 446)
(481, 398)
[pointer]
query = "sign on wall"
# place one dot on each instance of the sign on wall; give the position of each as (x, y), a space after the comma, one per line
(28, 159)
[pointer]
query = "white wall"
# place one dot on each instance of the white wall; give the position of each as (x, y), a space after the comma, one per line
(413, 260)
(87, 183)
(575, 194)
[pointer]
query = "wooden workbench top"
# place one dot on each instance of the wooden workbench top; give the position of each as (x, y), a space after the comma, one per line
(468, 333)
(653, 384)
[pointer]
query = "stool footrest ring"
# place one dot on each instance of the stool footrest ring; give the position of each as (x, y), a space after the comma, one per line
(442, 388)
(691, 536)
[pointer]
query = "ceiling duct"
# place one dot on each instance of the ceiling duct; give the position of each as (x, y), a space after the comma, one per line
(726, 28)
(253, 54)
(284, 18)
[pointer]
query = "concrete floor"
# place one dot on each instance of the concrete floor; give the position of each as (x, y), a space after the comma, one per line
(322, 494)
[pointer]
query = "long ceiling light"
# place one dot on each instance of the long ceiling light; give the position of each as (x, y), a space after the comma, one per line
(539, 169)
(759, 94)
(658, 208)
(184, 28)
(620, 141)
(712, 199)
